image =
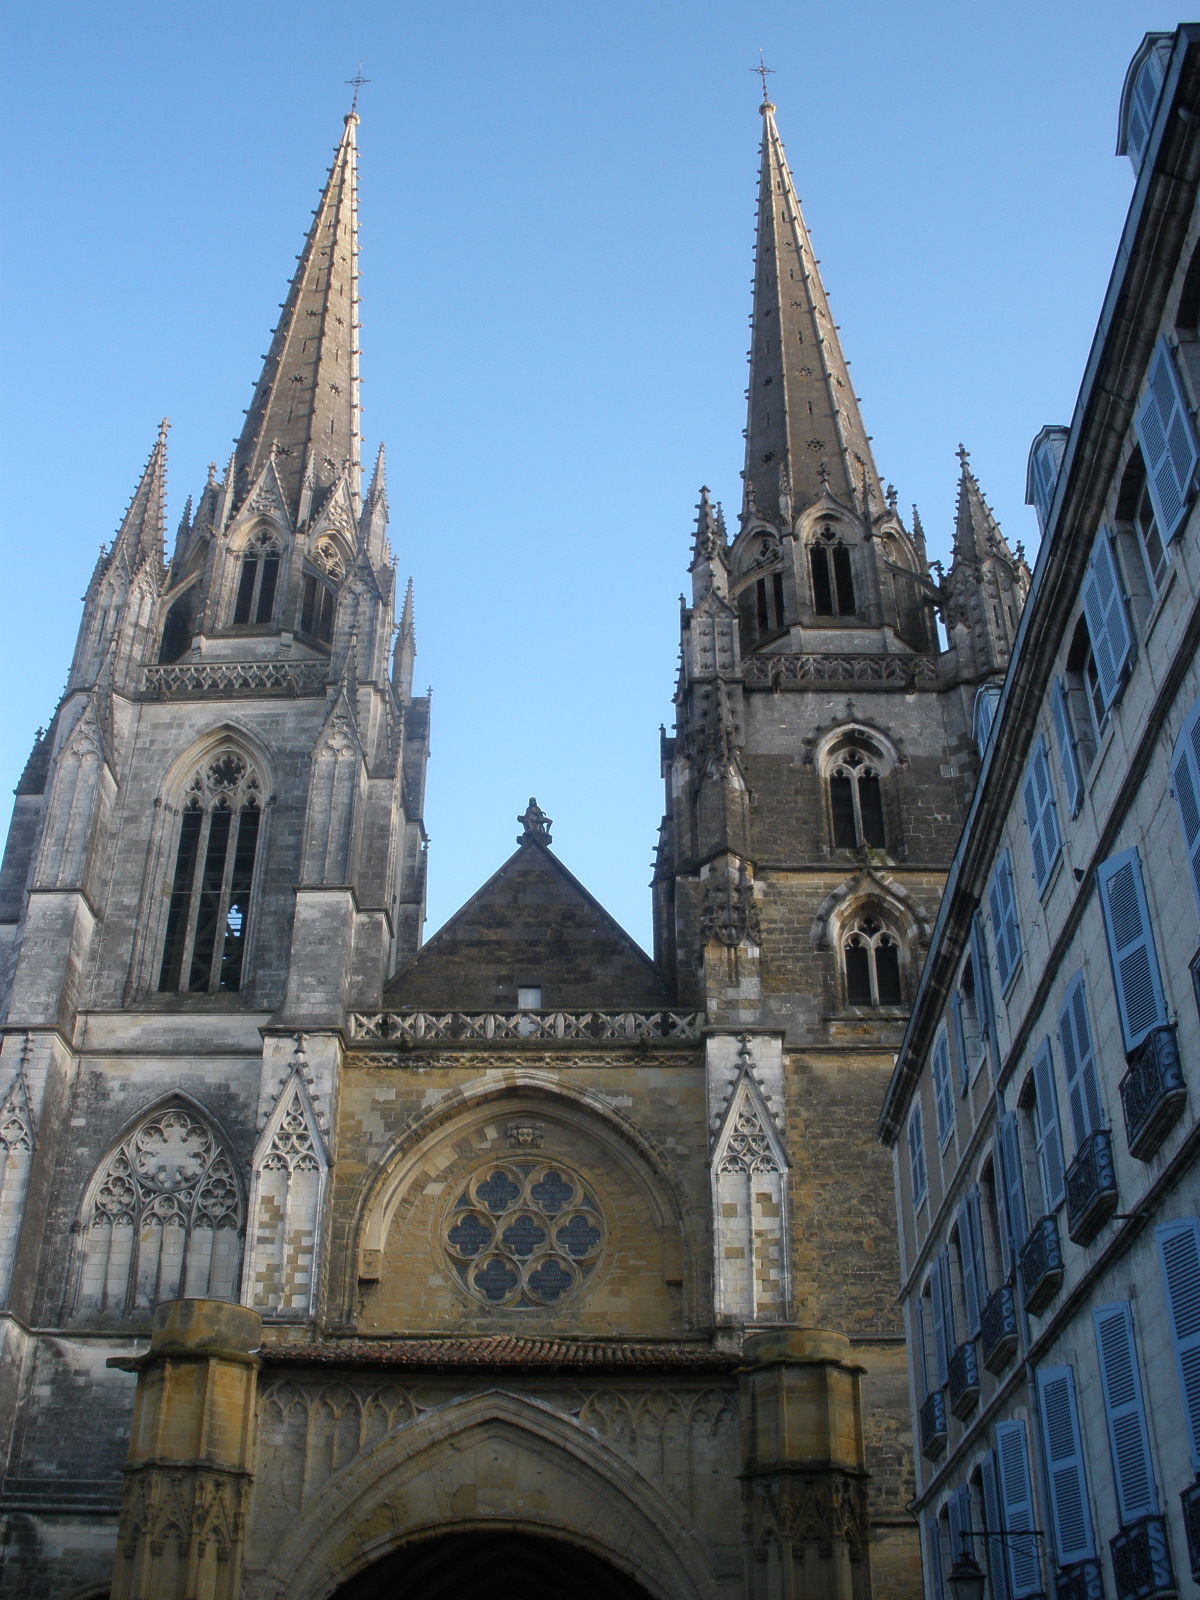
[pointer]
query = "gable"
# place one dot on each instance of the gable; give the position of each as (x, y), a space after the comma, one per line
(532, 925)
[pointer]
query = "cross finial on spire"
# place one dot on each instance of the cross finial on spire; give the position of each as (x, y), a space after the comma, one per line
(356, 82)
(963, 454)
(764, 72)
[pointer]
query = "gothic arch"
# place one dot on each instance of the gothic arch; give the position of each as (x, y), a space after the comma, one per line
(533, 1092)
(163, 1215)
(495, 1459)
(857, 762)
(864, 888)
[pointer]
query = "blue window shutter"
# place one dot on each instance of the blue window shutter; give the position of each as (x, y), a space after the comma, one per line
(969, 1257)
(1125, 1407)
(1016, 1498)
(993, 1518)
(1041, 818)
(1107, 619)
(1179, 1247)
(984, 1006)
(1002, 905)
(916, 1155)
(958, 1514)
(1008, 1153)
(1168, 441)
(933, 1558)
(1063, 1445)
(960, 1042)
(943, 1323)
(943, 1088)
(1079, 1059)
(1049, 1134)
(1067, 754)
(1131, 947)
(975, 1212)
(1185, 784)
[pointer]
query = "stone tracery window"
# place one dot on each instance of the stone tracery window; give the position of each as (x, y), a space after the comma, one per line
(258, 580)
(163, 1219)
(318, 600)
(208, 917)
(524, 1234)
(871, 953)
(856, 800)
(832, 574)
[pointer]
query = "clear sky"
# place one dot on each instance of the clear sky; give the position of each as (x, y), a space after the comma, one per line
(557, 208)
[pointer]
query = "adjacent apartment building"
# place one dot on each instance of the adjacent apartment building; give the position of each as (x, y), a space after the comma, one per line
(1043, 1110)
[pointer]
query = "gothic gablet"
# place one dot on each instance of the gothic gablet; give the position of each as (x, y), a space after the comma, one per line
(334, 1260)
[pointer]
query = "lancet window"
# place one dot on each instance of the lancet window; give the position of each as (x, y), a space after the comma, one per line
(832, 575)
(258, 579)
(318, 597)
(871, 952)
(209, 911)
(163, 1218)
(856, 800)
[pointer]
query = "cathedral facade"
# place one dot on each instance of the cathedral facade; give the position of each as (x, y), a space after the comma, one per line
(338, 1262)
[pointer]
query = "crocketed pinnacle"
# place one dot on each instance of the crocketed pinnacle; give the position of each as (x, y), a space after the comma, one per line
(143, 529)
(804, 432)
(305, 406)
(977, 534)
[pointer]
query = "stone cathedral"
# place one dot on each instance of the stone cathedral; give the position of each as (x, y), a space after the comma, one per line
(339, 1262)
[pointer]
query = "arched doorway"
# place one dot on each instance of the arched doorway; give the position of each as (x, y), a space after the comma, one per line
(487, 1565)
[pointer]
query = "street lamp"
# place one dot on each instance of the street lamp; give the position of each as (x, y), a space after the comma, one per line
(966, 1578)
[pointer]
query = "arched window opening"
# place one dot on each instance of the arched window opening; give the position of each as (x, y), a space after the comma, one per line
(856, 802)
(318, 600)
(872, 956)
(163, 1219)
(178, 628)
(1187, 318)
(259, 578)
(832, 575)
(1147, 569)
(209, 910)
(768, 604)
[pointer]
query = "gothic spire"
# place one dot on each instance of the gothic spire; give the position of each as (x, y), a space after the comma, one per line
(306, 403)
(804, 433)
(976, 532)
(143, 529)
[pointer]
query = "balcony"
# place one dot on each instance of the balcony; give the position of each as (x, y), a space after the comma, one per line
(1190, 1501)
(963, 1384)
(1041, 1264)
(1141, 1560)
(1153, 1093)
(1080, 1581)
(998, 1329)
(933, 1424)
(1091, 1187)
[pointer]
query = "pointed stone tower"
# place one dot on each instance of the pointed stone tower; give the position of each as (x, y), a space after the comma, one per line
(816, 782)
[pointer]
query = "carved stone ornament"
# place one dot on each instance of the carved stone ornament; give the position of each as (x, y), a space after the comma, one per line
(535, 824)
(730, 912)
(808, 1508)
(525, 1132)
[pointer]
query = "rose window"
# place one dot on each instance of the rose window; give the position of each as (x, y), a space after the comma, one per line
(524, 1234)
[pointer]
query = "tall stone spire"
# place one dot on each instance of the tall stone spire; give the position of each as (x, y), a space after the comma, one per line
(143, 529)
(986, 586)
(804, 433)
(305, 407)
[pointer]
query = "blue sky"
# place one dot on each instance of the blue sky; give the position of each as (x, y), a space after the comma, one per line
(557, 207)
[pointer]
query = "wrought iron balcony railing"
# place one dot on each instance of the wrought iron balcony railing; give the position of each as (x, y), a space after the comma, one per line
(1153, 1093)
(963, 1383)
(1141, 1558)
(1190, 1501)
(998, 1329)
(1091, 1187)
(933, 1424)
(1080, 1581)
(1041, 1264)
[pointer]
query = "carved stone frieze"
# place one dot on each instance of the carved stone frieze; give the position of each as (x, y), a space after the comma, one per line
(820, 1509)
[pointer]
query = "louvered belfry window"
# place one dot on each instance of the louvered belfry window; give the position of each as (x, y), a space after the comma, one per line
(214, 873)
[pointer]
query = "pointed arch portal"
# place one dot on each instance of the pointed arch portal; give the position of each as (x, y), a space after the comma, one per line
(483, 1564)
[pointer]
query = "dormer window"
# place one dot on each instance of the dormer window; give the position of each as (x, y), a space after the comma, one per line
(1140, 96)
(832, 575)
(258, 580)
(1041, 478)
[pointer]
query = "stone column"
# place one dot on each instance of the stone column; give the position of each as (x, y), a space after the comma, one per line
(804, 1475)
(187, 1482)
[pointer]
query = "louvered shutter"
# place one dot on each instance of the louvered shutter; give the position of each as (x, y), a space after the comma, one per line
(1063, 1445)
(1046, 464)
(1125, 1407)
(933, 1558)
(1179, 1246)
(1143, 102)
(993, 1519)
(968, 1255)
(1049, 1135)
(960, 1042)
(943, 1088)
(1168, 441)
(1131, 947)
(1079, 1060)
(1002, 904)
(1040, 816)
(1067, 754)
(1008, 1152)
(916, 1155)
(958, 1515)
(1185, 784)
(975, 1212)
(1107, 619)
(1016, 1498)
(985, 1009)
(943, 1334)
